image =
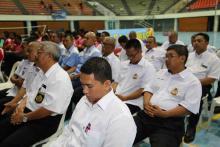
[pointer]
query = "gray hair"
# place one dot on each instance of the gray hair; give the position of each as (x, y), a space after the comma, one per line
(51, 48)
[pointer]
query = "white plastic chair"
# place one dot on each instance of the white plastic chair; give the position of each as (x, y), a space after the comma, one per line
(205, 111)
(1, 73)
(9, 84)
(55, 135)
(215, 103)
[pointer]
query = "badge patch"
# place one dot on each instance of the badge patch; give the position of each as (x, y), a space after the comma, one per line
(39, 98)
(174, 92)
(135, 76)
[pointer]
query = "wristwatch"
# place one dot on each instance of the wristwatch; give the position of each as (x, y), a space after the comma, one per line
(25, 118)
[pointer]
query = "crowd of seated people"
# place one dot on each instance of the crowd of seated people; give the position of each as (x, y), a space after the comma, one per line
(120, 98)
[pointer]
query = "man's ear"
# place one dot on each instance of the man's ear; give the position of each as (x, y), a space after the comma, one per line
(107, 84)
(183, 58)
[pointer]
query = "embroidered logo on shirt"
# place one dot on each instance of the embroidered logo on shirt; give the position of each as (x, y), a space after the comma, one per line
(174, 92)
(88, 128)
(135, 76)
(39, 98)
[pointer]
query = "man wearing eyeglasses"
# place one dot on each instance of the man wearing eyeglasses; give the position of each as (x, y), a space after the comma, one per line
(134, 74)
(167, 100)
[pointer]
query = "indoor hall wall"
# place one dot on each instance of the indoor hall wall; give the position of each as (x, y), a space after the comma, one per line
(198, 24)
(8, 24)
(92, 25)
(55, 25)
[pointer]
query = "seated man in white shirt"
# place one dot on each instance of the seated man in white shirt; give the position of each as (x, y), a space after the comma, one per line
(20, 74)
(172, 39)
(100, 119)
(134, 74)
(154, 54)
(45, 100)
(108, 54)
(205, 65)
(174, 93)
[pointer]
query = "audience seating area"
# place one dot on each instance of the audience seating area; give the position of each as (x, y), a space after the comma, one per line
(79, 7)
(76, 7)
(203, 4)
(9, 7)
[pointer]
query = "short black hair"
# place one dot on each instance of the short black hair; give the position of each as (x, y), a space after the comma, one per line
(204, 35)
(99, 67)
(106, 33)
(181, 50)
(123, 39)
(133, 43)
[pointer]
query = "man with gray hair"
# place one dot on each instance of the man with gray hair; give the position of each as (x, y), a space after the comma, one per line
(44, 102)
(108, 54)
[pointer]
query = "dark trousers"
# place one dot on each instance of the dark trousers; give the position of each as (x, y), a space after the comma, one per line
(4, 99)
(26, 134)
(163, 132)
(194, 118)
(133, 109)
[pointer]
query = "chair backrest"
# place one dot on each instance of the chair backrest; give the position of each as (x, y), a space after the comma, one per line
(9, 84)
(14, 67)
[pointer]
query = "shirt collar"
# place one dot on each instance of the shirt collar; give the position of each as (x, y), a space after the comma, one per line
(141, 62)
(183, 74)
(103, 102)
(51, 69)
(110, 56)
(202, 54)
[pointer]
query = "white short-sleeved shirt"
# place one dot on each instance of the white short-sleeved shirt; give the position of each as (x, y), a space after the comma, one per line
(108, 123)
(166, 44)
(88, 53)
(170, 90)
(52, 91)
(204, 65)
(133, 77)
(156, 56)
(62, 48)
(71, 50)
(31, 74)
(123, 56)
(21, 71)
(115, 65)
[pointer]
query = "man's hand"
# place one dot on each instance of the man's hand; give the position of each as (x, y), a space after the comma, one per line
(148, 108)
(157, 111)
(10, 106)
(17, 117)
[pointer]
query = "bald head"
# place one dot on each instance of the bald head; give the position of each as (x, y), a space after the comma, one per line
(173, 36)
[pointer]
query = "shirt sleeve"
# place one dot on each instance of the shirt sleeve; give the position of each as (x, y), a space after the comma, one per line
(58, 95)
(192, 97)
(124, 126)
(148, 76)
(214, 71)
